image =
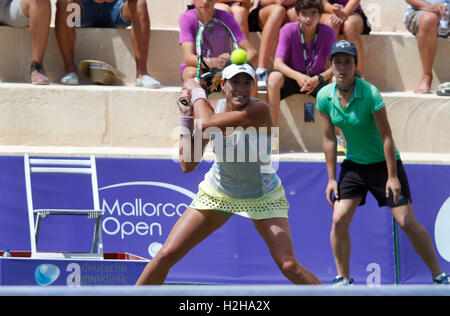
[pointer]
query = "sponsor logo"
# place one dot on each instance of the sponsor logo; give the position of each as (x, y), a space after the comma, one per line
(148, 215)
(46, 274)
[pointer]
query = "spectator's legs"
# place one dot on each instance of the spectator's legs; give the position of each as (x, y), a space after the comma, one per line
(241, 16)
(427, 42)
(65, 34)
(274, 85)
(136, 12)
(325, 19)
(39, 12)
(271, 19)
(352, 30)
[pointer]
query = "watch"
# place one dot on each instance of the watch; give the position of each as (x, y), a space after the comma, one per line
(321, 80)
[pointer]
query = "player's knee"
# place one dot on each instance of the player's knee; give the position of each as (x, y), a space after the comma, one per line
(340, 223)
(289, 267)
(408, 225)
(165, 257)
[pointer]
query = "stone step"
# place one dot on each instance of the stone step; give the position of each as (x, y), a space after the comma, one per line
(124, 116)
(392, 60)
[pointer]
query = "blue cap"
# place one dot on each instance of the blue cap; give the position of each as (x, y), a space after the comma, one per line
(346, 47)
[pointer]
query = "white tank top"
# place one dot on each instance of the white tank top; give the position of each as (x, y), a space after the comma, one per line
(242, 168)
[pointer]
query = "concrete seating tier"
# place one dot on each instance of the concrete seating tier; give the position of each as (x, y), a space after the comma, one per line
(391, 59)
(126, 121)
(94, 116)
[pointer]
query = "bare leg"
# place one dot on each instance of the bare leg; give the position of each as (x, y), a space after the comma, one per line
(39, 12)
(65, 34)
(352, 30)
(340, 237)
(427, 43)
(191, 228)
(136, 12)
(419, 236)
(241, 16)
(271, 18)
(277, 235)
(275, 83)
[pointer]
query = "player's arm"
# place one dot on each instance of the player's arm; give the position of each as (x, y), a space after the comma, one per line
(256, 114)
(385, 132)
(329, 147)
(191, 150)
(192, 141)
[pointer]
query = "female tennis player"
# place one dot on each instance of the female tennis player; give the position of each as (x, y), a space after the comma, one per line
(243, 187)
(372, 162)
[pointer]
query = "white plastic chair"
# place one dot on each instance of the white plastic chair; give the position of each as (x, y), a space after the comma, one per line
(67, 166)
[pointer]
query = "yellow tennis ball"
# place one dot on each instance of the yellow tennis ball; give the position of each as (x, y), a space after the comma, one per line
(239, 56)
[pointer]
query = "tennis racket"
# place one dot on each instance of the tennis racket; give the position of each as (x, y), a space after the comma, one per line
(214, 43)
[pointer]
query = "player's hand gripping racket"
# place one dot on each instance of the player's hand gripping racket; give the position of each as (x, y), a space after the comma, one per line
(214, 42)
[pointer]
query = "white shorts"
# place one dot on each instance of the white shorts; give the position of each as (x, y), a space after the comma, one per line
(11, 13)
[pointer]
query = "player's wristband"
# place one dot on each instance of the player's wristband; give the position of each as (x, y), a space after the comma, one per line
(186, 125)
(198, 93)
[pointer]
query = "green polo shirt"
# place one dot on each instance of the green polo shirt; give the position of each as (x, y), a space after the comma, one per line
(364, 145)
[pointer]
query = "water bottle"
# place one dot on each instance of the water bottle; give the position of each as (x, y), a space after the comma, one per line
(6, 253)
(443, 22)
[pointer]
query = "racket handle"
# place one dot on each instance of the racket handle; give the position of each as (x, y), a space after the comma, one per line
(184, 101)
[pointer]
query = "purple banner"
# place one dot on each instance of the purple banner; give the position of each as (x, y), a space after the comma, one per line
(45, 272)
(430, 189)
(143, 198)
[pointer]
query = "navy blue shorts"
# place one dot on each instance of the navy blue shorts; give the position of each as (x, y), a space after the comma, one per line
(107, 14)
(355, 180)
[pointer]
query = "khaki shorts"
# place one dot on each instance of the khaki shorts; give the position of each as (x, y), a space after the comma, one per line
(412, 21)
(11, 13)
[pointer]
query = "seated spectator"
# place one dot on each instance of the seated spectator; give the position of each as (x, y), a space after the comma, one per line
(36, 14)
(348, 18)
(422, 19)
(301, 60)
(106, 13)
(189, 23)
(267, 18)
(240, 11)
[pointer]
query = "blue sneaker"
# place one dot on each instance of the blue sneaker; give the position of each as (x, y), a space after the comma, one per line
(261, 73)
(443, 278)
(341, 281)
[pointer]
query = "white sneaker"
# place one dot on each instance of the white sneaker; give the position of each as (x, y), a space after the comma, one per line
(147, 82)
(70, 79)
(341, 281)
(261, 73)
